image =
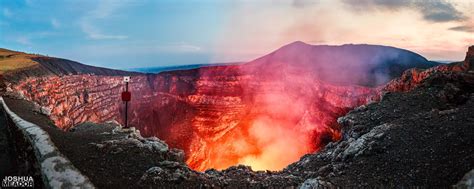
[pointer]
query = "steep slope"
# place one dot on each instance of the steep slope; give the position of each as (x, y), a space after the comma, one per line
(226, 115)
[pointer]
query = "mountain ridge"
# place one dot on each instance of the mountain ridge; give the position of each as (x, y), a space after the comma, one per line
(362, 64)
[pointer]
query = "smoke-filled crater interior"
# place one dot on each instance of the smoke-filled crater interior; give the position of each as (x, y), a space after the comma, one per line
(266, 113)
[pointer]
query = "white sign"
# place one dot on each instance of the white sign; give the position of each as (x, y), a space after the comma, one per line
(126, 79)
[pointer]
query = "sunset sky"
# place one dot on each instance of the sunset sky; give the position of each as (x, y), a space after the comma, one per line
(143, 33)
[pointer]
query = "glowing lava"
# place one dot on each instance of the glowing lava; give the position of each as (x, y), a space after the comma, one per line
(277, 124)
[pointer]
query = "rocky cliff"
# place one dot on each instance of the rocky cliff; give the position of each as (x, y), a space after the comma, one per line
(420, 135)
(225, 115)
(411, 78)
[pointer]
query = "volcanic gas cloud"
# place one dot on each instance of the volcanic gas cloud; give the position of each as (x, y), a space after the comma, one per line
(283, 116)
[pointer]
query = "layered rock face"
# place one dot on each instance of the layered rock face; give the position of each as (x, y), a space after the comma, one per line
(70, 100)
(266, 113)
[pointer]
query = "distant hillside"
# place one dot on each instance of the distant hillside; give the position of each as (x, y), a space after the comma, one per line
(17, 65)
(346, 64)
(160, 69)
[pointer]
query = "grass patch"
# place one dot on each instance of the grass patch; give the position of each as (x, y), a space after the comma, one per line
(12, 60)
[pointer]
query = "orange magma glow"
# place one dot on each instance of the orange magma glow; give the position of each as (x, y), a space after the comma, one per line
(265, 114)
(274, 144)
(281, 120)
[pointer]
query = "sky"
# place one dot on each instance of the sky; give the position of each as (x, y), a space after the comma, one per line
(151, 33)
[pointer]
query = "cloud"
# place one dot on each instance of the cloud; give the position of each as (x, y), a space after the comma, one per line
(55, 23)
(183, 47)
(7, 13)
(179, 47)
(303, 3)
(26, 38)
(463, 28)
(106, 8)
(23, 40)
(103, 36)
(141, 48)
(102, 12)
(3, 23)
(29, 2)
(439, 11)
(94, 33)
(433, 10)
